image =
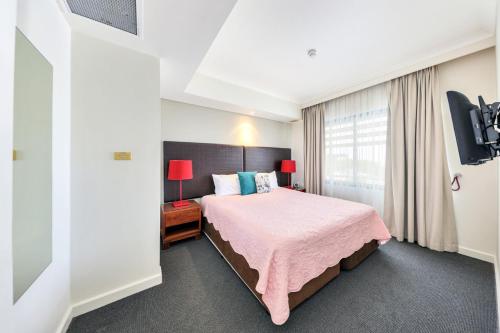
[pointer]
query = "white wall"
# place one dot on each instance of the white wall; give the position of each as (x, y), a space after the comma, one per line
(476, 202)
(115, 204)
(7, 44)
(192, 123)
(44, 305)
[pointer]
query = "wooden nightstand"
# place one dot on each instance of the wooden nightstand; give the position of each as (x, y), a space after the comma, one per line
(180, 223)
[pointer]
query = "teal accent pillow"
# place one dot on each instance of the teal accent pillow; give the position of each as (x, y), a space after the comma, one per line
(247, 182)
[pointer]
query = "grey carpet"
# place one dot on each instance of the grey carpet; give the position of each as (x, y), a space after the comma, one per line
(400, 288)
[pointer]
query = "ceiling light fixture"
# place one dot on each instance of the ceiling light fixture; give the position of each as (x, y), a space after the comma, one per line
(312, 53)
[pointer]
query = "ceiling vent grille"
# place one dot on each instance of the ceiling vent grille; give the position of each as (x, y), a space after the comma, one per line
(120, 14)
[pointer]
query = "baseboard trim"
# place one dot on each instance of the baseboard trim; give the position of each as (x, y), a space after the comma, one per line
(477, 254)
(106, 298)
(115, 295)
(489, 258)
(65, 321)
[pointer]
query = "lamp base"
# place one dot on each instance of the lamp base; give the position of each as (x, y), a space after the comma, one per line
(181, 203)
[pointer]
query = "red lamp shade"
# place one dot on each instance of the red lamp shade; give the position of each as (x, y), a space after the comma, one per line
(180, 170)
(288, 166)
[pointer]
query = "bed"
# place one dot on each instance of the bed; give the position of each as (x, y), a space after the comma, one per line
(284, 245)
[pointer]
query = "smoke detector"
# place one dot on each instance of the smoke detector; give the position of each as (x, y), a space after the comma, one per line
(312, 53)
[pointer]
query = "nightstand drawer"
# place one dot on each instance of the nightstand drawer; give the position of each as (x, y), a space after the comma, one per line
(181, 216)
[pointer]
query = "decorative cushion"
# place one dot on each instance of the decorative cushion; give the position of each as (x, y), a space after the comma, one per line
(226, 184)
(272, 179)
(247, 182)
(263, 182)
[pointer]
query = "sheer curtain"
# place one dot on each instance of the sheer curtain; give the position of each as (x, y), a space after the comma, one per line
(355, 146)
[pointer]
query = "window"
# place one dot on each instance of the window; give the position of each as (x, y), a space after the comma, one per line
(355, 143)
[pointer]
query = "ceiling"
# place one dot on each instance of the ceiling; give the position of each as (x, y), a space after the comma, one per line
(250, 56)
(263, 44)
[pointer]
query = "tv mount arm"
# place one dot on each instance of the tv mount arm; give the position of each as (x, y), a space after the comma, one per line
(487, 131)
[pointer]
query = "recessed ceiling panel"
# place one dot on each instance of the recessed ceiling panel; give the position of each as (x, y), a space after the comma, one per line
(120, 14)
(264, 44)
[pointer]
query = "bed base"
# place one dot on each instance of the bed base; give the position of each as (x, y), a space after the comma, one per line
(254, 292)
(250, 276)
(357, 257)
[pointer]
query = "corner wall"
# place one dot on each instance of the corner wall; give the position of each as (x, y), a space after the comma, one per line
(475, 204)
(192, 123)
(45, 305)
(115, 204)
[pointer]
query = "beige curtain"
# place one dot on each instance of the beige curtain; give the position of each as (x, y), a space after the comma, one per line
(314, 138)
(418, 200)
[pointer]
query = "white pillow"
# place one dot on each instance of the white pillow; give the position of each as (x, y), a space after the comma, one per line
(226, 184)
(272, 179)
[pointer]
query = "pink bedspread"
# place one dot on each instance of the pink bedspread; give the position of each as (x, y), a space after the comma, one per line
(291, 237)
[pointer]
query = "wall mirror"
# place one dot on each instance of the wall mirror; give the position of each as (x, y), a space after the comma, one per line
(32, 166)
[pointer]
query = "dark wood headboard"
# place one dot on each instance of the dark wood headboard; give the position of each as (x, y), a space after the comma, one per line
(211, 159)
(207, 160)
(266, 159)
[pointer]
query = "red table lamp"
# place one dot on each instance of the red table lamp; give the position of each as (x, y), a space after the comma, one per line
(180, 170)
(288, 166)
